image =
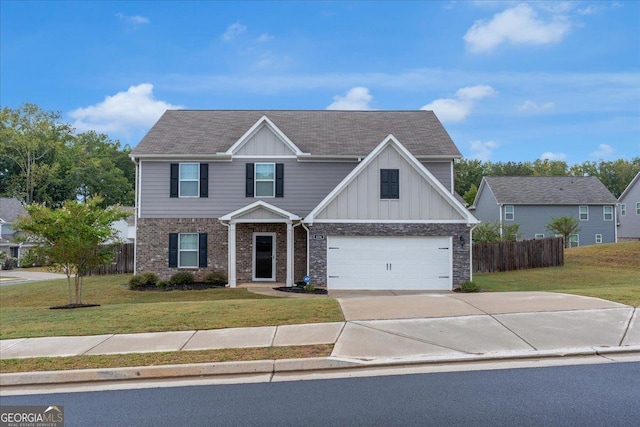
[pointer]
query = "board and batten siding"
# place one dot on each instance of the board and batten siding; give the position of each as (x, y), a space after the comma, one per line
(264, 143)
(360, 199)
(305, 185)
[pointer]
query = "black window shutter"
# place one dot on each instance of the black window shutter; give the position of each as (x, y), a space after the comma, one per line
(202, 250)
(173, 185)
(279, 179)
(173, 250)
(389, 183)
(204, 180)
(249, 181)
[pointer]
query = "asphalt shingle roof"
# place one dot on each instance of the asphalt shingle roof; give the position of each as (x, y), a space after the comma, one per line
(10, 209)
(549, 190)
(323, 132)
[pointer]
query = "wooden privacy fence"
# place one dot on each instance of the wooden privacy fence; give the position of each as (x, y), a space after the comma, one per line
(122, 261)
(518, 255)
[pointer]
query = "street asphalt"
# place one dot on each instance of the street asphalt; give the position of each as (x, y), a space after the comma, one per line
(380, 329)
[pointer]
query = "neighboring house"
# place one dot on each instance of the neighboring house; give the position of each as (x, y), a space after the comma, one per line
(354, 199)
(629, 211)
(126, 228)
(10, 210)
(531, 202)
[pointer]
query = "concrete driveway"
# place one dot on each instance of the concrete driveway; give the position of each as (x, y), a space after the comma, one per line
(17, 276)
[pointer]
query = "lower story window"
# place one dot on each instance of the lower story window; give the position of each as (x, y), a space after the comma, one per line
(188, 250)
(574, 240)
(598, 238)
(539, 236)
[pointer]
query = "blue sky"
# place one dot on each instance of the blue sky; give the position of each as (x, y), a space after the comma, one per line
(510, 80)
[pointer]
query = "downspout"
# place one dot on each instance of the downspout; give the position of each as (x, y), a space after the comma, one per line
(501, 221)
(615, 223)
(137, 214)
(308, 244)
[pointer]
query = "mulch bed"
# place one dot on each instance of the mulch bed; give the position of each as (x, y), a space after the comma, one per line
(192, 287)
(300, 290)
(69, 306)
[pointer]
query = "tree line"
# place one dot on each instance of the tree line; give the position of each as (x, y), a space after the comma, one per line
(615, 174)
(44, 160)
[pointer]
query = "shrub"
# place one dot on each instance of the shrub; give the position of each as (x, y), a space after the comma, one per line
(149, 279)
(32, 259)
(469, 287)
(216, 278)
(163, 284)
(136, 282)
(309, 287)
(183, 278)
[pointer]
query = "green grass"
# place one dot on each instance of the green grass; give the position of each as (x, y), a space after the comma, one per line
(25, 309)
(609, 271)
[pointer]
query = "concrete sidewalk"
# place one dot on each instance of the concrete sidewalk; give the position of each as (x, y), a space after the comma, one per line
(387, 328)
(17, 276)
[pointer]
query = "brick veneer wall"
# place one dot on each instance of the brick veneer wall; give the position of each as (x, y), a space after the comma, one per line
(152, 247)
(461, 255)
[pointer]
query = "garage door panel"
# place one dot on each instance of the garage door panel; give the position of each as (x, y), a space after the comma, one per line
(356, 262)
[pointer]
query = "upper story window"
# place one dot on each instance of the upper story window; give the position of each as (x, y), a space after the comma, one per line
(265, 181)
(389, 183)
(189, 180)
(584, 213)
(607, 213)
(509, 213)
(638, 208)
(539, 236)
(623, 209)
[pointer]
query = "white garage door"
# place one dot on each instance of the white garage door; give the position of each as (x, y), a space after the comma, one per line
(406, 263)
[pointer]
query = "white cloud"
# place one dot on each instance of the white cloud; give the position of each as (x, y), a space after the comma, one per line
(529, 105)
(518, 25)
(456, 110)
(357, 98)
(122, 113)
(553, 156)
(233, 31)
(482, 150)
(264, 38)
(604, 151)
(135, 20)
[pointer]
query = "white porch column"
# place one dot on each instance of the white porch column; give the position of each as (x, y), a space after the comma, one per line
(289, 254)
(231, 245)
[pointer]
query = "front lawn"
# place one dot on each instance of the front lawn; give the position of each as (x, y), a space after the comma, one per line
(25, 309)
(609, 271)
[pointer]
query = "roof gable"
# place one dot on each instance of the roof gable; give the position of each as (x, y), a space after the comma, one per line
(435, 202)
(260, 211)
(548, 190)
(631, 185)
(264, 138)
(10, 209)
(214, 133)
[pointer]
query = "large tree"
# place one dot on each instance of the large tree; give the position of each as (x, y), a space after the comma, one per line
(74, 236)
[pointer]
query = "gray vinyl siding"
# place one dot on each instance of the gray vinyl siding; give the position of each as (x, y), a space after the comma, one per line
(630, 223)
(305, 185)
(442, 171)
(487, 208)
(264, 143)
(360, 199)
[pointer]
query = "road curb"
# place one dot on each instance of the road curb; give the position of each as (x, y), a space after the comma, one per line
(281, 366)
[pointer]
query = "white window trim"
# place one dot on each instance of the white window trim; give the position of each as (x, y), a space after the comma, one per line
(576, 241)
(623, 209)
(188, 250)
(638, 208)
(604, 213)
(512, 213)
(598, 238)
(256, 180)
(580, 213)
(538, 236)
(189, 180)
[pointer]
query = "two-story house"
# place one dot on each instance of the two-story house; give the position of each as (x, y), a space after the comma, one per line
(629, 211)
(10, 210)
(531, 202)
(354, 199)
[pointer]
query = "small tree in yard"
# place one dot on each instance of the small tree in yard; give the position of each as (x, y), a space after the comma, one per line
(565, 226)
(73, 237)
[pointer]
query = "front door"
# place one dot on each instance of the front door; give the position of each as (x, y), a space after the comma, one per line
(264, 256)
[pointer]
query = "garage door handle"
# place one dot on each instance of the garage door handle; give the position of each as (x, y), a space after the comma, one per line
(334, 277)
(443, 277)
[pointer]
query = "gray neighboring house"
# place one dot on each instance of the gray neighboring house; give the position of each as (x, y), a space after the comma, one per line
(354, 199)
(531, 202)
(126, 228)
(629, 211)
(10, 210)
